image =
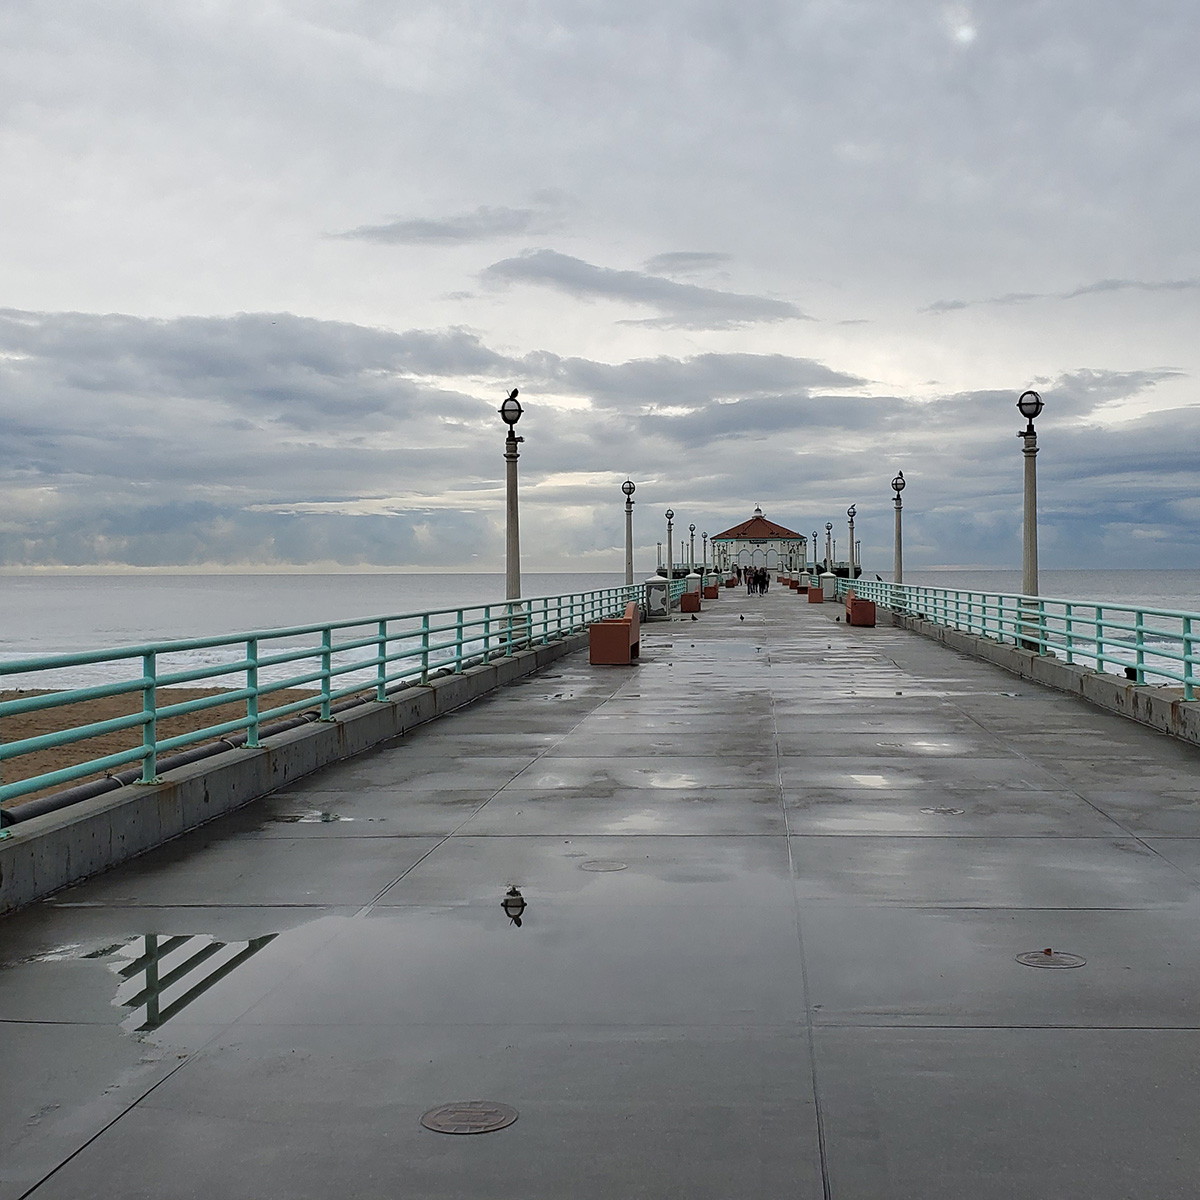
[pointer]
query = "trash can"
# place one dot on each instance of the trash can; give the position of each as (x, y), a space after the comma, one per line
(657, 607)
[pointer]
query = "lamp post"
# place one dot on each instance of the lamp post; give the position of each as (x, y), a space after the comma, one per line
(692, 555)
(670, 552)
(510, 413)
(898, 558)
(1030, 405)
(628, 487)
(816, 545)
(704, 547)
(850, 514)
(828, 545)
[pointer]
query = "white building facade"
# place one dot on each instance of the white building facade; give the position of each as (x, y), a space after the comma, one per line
(760, 543)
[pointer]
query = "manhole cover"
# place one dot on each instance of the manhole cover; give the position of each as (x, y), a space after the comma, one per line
(943, 812)
(1051, 958)
(469, 1116)
(603, 864)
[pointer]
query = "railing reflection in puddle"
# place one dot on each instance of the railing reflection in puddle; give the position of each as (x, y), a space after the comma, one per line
(169, 973)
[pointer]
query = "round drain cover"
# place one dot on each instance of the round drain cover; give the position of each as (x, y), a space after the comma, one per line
(603, 864)
(943, 812)
(469, 1116)
(1051, 958)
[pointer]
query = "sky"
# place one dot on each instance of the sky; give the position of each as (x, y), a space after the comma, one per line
(267, 270)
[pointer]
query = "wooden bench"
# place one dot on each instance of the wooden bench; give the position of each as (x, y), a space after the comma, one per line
(615, 642)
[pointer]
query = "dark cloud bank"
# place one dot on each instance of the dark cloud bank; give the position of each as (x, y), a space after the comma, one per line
(270, 438)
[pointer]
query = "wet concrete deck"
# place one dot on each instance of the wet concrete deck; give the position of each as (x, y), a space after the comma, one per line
(801, 981)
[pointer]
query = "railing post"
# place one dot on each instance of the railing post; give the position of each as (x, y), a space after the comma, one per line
(545, 621)
(1139, 641)
(425, 648)
(150, 724)
(326, 672)
(1069, 632)
(1043, 632)
(1189, 675)
(458, 643)
(381, 668)
(487, 634)
(252, 699)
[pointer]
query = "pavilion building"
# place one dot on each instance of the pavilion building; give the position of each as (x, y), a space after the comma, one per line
(760, 543)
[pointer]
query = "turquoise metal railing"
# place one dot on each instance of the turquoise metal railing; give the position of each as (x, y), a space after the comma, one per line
(337, 660)
(1156, 645)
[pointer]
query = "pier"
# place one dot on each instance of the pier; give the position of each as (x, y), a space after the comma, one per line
(782, 884)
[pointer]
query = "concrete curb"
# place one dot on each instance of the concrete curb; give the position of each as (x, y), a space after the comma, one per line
(47, 853)
(1163, 709)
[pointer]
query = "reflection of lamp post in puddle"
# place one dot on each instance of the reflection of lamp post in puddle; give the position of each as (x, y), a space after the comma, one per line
(513, 905)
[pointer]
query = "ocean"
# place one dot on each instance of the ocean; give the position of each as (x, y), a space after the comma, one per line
(44, 613)
(69, 613)
(1155, 589)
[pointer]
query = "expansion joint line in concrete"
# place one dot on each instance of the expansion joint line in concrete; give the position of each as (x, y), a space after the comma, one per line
(818, 1108)
(108, 1125)
(366, 908)
(1014, 747)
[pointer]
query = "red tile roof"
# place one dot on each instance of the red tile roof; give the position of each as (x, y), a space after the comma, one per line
(757, 527)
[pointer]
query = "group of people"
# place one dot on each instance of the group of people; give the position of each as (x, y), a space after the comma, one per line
(756, 579)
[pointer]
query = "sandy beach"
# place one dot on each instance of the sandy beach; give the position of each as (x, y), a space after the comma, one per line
(33, 724)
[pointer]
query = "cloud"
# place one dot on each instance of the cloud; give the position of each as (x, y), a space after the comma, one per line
(685, 262)
(269, 438)
(680, 305)
(649, 382)
(482, 225)
(1088, 289)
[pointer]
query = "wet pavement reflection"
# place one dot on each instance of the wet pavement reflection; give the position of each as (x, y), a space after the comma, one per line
(708, 923)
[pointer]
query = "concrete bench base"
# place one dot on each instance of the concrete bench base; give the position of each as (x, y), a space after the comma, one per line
(861, 612)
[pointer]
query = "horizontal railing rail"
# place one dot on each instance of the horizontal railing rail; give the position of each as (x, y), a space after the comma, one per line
(336, 660)
(1145, 644)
